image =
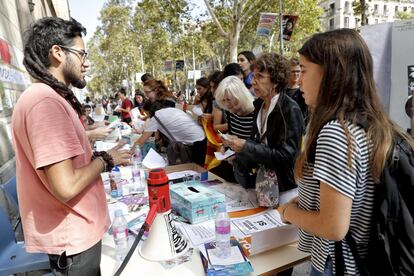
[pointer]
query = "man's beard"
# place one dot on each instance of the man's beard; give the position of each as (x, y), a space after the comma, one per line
(71, 76)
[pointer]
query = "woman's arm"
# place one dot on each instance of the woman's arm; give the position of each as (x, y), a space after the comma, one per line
(330, 222)
(218, 119)
(144, 137)
(287, 143)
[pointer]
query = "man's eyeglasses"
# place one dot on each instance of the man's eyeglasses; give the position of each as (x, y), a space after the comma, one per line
(82, 54)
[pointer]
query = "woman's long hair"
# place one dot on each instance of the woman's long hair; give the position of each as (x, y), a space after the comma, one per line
(38, 41)
(347, 93)
(207, 97)
(159, 88)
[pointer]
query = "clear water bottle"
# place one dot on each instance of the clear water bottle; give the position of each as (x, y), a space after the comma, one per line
(120, 234)
(222, 232)
(115, 182)
(136, 171)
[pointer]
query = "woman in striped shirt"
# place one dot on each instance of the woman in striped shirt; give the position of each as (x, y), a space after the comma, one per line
(348, 141)
(233, 96)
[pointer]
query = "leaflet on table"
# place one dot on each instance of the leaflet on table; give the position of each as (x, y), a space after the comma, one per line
(105, 146)
(198, 233)
(209, 250)
(237, 197)
(220, 156)
(181, 174)
(204, 232)
(129, 216)
(235, 264)
(259, 222)
(153, 160)
(115, 123)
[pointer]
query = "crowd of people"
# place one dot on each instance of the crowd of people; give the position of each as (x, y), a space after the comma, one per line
(294, 125)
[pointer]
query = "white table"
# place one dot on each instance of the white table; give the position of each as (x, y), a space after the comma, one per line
(266, 263)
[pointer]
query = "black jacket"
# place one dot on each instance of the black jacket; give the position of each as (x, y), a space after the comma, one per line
(285, 128)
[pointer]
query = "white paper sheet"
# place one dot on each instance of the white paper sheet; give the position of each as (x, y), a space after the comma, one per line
(197, 110)
(153, 160)
(234, 258)
(181, 174)
(135, 113)
(200, 233)
(105, 146)
(115, 123)
(262, 221)
(237, 198)
(226, 154)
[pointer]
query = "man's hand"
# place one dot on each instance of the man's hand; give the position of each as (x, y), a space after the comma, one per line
(120, 156)
(99, 133)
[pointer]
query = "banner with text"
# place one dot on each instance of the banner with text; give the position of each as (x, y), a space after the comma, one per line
(168, 66)
(266, 22)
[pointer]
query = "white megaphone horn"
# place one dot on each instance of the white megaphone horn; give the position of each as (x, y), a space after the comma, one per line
(164, 242)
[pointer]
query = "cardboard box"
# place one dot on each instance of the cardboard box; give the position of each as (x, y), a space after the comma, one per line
(195, 203)
(201, 172)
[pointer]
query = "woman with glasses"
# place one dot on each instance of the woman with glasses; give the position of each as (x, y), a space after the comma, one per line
(277, 131)
(156, 90)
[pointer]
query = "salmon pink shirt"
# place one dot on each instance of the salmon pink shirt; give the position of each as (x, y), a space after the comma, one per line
(47, 130)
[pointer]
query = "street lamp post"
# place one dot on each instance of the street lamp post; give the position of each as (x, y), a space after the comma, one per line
(142, 59)
(281, 28)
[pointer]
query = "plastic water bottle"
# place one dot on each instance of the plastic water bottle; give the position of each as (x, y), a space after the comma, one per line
(120, 234)
(136, 171)
(222, 232)
(115, 182)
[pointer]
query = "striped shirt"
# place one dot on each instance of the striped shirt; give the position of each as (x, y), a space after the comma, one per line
(241, 126)
(331, 167)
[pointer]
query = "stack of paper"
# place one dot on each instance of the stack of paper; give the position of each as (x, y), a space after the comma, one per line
(235, 264)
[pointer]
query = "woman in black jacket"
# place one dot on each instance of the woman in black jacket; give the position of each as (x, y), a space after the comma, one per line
(277, 132)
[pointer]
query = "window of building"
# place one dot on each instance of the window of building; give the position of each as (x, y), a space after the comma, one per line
(346, 7)
(331, 24)
(346, 22)
(405, 9)
(385, 9)
(332, 9)
(396, 8)
(375, 8)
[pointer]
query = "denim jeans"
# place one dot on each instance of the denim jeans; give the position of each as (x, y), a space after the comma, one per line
(328, 271)
(84, 263)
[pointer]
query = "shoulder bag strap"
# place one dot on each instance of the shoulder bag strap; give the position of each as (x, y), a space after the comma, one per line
(166, 129)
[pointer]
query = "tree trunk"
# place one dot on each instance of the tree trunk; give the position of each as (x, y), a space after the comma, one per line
(363, 13)
(234, 41)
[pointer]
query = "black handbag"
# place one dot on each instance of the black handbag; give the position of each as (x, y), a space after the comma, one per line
(177, 152)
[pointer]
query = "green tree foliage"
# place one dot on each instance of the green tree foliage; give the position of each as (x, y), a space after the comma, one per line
(113, 50)
(237, 20)
(163, 30)
(360, 7)
(405, 15)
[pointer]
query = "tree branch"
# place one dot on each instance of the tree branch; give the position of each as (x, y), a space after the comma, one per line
(247, 15)
(213, 15)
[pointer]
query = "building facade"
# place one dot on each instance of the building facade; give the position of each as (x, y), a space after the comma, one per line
(340, 13)
(15, 17)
